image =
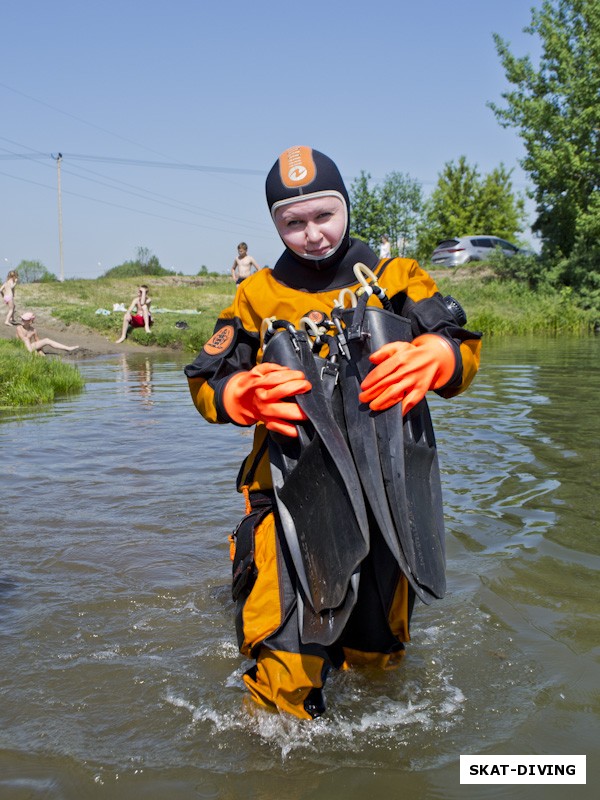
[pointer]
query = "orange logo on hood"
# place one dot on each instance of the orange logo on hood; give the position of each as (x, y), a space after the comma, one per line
(219, 341)
(297, 167)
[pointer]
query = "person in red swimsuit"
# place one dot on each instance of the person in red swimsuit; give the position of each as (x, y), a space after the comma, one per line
(141, 318)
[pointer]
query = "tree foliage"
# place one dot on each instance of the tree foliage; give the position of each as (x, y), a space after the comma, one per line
(393, 208)
(555, 106)
(34, 272)
(366, 210)
(580, 270)
(464, 202)
(402, 201)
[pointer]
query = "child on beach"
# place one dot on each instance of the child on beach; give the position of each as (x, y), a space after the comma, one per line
(142, 317)
(28, 335)
(8, 295)
(243, 264)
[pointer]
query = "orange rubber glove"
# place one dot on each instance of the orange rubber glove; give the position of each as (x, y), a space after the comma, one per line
(258, 396)
(406, 371)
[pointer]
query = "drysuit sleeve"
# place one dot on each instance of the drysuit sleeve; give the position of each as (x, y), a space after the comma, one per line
(232, 348)
(428, 312)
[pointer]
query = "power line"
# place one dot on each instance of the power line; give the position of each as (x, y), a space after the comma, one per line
(180, 165)
(145, 194)
(134, 162)
(125, 208)
(155, 197)
(80, 119)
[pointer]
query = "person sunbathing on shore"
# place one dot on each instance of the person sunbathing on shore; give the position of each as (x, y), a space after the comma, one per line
(28, 335)
(142, 317)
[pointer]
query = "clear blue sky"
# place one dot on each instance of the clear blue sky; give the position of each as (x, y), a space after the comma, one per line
(381, 86)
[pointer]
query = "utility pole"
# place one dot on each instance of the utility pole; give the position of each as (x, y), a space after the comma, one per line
(61, 276)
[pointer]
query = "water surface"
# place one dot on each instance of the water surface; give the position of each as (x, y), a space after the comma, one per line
(119, 672)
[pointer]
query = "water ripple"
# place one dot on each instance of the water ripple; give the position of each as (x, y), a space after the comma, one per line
(120, 672)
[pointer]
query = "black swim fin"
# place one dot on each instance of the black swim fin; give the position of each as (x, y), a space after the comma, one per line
(319, 499)
(395, 456)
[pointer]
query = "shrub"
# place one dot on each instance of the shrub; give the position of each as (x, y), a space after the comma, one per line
(204, 272)
(134, 269)
(531, 269)
(145, 264)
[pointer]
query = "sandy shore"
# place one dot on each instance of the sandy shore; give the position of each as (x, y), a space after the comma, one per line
(90, 343)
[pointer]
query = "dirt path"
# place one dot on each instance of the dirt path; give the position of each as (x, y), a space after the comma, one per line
(90, 343)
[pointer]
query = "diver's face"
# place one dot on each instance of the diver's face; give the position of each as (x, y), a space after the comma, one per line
(312, 227)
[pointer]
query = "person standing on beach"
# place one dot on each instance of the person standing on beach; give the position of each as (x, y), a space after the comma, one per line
(8, 295)
(243, 264)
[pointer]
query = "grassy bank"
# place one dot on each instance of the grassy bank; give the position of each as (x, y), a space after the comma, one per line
(77, 301)
(28, 380)
(510, 308)
(494, 307)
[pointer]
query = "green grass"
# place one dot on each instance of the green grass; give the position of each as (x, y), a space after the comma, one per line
(77, 301)
(503, 308)
(26, 379)
(493, 306)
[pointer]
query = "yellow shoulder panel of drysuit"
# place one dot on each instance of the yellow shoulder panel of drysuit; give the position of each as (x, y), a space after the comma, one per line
(405, 275)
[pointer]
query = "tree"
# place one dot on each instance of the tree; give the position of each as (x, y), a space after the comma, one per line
(500, 210)
(580, 269)
(34, 272)
(148, 262)
(555, 107)
(464, 203)
(393, 208)
(449, 210)
(367, 221)
(402, 211)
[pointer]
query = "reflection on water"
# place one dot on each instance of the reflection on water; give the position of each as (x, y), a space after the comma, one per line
(120, 677)
(136, 377)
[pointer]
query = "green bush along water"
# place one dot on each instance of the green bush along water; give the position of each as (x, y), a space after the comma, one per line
(28, 380)
(502, 307)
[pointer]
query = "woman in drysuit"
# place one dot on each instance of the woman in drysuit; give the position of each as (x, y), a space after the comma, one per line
(229, 382)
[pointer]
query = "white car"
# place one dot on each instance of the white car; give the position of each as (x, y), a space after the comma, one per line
(455, 252)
